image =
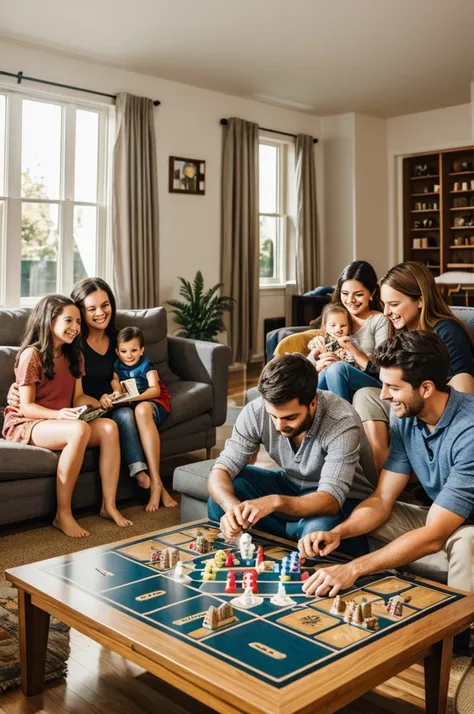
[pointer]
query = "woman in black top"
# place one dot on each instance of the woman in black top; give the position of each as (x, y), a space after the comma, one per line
(96, 301)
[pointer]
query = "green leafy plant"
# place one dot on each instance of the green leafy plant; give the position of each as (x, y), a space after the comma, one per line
(199, 315)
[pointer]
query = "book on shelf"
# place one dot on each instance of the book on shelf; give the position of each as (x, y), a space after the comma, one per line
(129, 391)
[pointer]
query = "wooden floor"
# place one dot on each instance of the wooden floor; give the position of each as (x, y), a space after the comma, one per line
(101, 682)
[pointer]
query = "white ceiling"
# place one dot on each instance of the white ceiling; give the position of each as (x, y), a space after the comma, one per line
(379, 57)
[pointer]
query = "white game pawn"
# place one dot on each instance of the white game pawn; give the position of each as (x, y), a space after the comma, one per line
(247, 548)
(281, 599)
(247, 600)
(179, 575)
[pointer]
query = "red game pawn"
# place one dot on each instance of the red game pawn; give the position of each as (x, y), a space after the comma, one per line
(230, 586)
(250, 581)
(229, 561)
(260, 552)
(305, 575)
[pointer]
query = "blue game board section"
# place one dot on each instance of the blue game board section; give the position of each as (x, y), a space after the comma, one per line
(102, 571)
(164, 592)
(259, 645)
(187, 616)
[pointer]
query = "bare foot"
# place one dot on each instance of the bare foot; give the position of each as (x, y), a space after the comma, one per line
(157, 494)
(115, 515)
(69, 526)
(143, 479)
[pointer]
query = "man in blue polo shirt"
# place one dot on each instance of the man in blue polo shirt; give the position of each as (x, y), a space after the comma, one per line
(432, 436)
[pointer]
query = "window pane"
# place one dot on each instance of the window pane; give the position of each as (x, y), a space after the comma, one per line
(41, 150)
(268, 246)
(268, 178)
(87, 145)
(3, 105)
(85, 235)
(39, 248)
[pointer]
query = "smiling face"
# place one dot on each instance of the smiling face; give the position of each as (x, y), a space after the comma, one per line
(337, 324)
(405, 400)
(97, 310)
(130, 352)
(355, 297)
(292, 418)
(66, 326)
(401, 310)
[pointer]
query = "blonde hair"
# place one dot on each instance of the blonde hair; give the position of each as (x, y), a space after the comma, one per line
(416, 281)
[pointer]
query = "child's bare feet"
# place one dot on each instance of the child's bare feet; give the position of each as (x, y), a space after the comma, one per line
(159, 493)
(114, 514)
(143, 479)
(69, 526)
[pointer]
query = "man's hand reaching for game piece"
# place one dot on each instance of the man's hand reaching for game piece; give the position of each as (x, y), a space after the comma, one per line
(258, 508)
(319, 543)
(232, 522)
(328, 581)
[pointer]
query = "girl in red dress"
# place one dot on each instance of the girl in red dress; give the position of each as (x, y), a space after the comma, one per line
(49, 369)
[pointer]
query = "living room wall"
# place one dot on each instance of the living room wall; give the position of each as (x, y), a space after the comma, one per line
(187, 124)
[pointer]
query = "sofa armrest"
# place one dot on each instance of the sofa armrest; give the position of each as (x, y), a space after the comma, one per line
(199, 361)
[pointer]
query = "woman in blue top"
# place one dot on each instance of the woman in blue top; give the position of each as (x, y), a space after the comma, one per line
(413, 301)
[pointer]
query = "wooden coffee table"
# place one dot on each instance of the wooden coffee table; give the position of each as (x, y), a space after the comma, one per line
(269, 660)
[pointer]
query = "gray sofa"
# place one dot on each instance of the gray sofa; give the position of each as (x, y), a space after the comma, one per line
(196, 374)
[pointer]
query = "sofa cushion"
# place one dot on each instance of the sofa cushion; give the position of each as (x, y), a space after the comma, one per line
(192, 479)
(21, 461)
(7, 375)
(188, 400)
(153, 323)
(12, 325)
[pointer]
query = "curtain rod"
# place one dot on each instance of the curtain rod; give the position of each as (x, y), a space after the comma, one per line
(20, 76)
(224, 122)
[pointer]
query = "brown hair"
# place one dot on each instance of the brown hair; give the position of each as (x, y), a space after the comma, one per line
(363, 272)
(334, 307)
(39, 334)
(131, 333)
(86, 287)
(416, 281)
(288, 377)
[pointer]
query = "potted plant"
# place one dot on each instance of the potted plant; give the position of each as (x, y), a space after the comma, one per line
(199, 315)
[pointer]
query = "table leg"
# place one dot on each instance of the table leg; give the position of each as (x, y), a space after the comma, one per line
(437, 671)
(33, 631)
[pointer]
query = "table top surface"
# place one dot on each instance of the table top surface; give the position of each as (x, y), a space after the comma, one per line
(269, 658)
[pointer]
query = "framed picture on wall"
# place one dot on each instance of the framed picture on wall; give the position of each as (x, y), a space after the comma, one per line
(187, 175)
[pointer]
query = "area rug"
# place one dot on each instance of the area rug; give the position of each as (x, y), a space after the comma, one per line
(58, 642)
(461, 687)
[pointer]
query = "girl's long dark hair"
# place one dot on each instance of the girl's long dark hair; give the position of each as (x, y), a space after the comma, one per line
(87, 287)
(39, 334)
(364, 273)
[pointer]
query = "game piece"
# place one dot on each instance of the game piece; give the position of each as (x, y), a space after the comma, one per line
(219, 559)
(168, 558)
(249, 580)
(260, 553)
(229, 560)
(305, 575)
(366, 609)
(371, 623)
(179, 575)
(395, 606)
(247, 548)
(208, 573)
(154, 555)
(281, 599)
(357, 618)
(276, 567)
(247, 600)
(220, 616)
(230, 586)
(202, 545)
(348, 612)
(339, 606)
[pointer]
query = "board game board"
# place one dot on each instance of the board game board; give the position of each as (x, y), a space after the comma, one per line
(276, 645)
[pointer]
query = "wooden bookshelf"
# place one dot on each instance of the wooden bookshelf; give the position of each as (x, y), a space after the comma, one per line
(438, 191)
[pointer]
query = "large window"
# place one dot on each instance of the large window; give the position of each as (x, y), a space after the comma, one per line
(272, 209)
(52, 195)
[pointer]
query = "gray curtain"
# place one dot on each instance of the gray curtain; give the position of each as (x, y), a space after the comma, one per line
(307, 238)
(240, 239)
(135, 234)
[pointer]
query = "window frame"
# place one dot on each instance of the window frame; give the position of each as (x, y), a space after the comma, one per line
(10, 232)
(279, 279)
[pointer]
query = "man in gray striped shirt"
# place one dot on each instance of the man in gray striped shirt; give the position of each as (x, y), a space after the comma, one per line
(317, 440)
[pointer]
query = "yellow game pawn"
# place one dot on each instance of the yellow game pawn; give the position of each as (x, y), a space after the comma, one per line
(219, 559)
(284, 577)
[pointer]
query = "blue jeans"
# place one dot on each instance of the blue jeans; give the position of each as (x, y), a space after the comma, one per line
(344, 379)
(253, 482)
(130, 444)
